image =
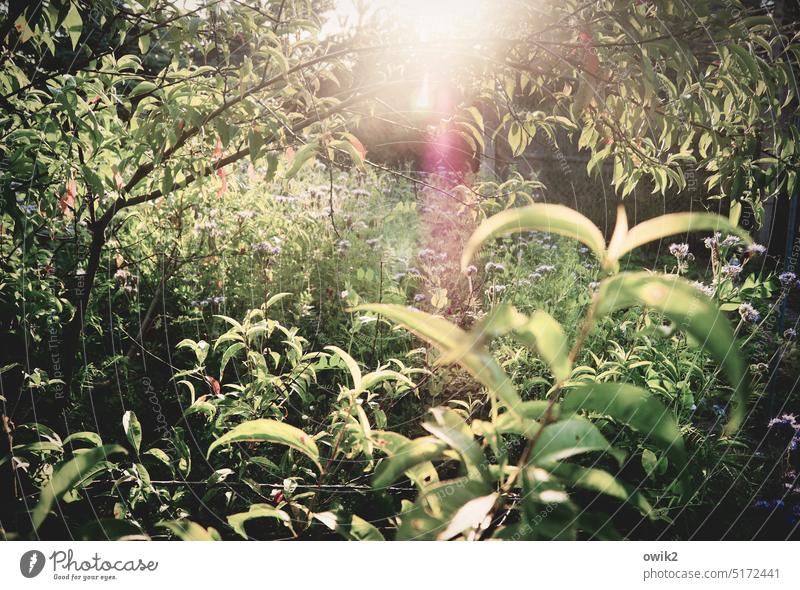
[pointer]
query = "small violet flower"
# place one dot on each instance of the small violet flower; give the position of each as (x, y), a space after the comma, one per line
(786, 278)
(749, 313)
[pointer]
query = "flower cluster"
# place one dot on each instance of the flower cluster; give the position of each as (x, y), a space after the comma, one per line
(272, 246)
(494, 267)
(679, 251)
(755, 250)
(285, 199)
(787, 278)
(702, 287)
(732, 269)
(749, 313)
(342, 246)
(496, 290)
(245, 215)
(790, 421)
(218, 300)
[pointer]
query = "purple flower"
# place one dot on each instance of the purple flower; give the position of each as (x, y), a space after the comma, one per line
(545, 268)
(732, 269)
(789, 420)
(419, 297)
(786, 278)
(730, 241)
(755, 250)
(372, 242)
(749, 313)
(471, 269)
(707, 289)
(712, 241)
(494, 267)
(679, 251)
(790, 334)
(496, 290)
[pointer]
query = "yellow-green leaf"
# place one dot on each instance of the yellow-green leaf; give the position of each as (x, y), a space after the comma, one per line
(270, 431)
(692, 312)
(671, 225)
(557, 219)
(446, 336)
(634, 407)
(69, 475)
(237, 521)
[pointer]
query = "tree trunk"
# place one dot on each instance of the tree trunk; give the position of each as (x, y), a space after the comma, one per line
(74, 329)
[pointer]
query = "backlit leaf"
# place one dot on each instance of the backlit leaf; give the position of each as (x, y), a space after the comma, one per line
(270, 431)
(550, 218)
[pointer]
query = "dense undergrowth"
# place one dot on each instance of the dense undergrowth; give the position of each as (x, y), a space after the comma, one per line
(234, 320)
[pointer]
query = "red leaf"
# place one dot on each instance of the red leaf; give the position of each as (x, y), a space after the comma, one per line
(223, 185)
(591, 63)
(215, 386)
(358, 145)
(118, 180)
(67, 201)
(217, 149)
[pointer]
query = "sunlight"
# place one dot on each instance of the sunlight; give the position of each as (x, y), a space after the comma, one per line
(423, 20)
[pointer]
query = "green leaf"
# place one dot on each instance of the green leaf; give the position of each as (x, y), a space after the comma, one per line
(73, 23)
(349, 526)
(436, 506)
(237, 521)
(351, 364)
(671, 225)
(90, 437)
(68, 475)
(692, 312)
(393, 445)
(229, 353)
(404, 458)
(270, 431)
(635, 407)
(601, 481)
(567, 438)
(540, 331)
(275, 298)
(449, 426)
(303, 155)
(556, 219)
(446, 336)
(133, 430)
(468, 517)
(526, 423)
(545, 334)
(370, 380)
